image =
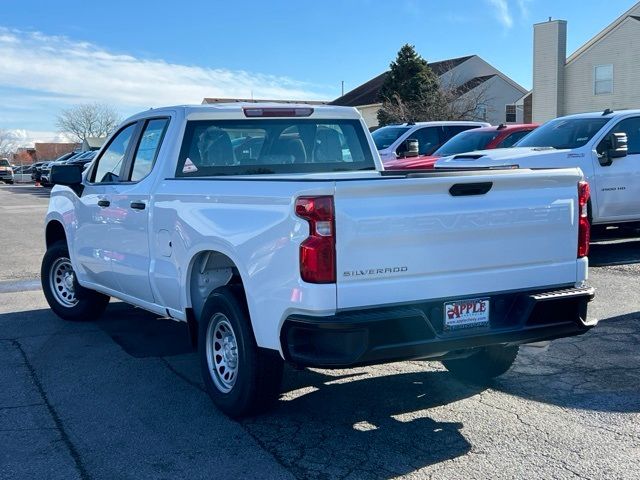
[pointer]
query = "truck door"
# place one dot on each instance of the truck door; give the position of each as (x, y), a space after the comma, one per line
(97, 217)
(129, 236)
(618, 184)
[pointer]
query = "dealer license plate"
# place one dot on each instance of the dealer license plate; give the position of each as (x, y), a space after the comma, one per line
(466, 313)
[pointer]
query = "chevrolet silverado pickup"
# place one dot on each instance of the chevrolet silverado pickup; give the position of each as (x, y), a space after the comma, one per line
(604, 145)
(275, 234)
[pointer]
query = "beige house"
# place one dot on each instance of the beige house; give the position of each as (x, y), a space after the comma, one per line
(603, 73)
(466, 75)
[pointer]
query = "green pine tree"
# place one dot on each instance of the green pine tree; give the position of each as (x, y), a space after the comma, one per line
(411, 91)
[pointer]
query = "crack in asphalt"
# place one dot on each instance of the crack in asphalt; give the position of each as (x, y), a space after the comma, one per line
(11, 407)
(200, 388)
(59, 425)
(544, 437)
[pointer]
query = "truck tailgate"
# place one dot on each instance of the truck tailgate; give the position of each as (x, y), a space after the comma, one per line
(409, 239)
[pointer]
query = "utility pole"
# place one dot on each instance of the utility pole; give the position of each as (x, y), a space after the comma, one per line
(342, 88)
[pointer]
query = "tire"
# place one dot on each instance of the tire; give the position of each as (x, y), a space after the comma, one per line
(241, 381)
(64, 295)
(488, 363)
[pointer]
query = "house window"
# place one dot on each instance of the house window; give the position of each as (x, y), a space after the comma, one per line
(510, 113)
(481, 112)
(603, 79)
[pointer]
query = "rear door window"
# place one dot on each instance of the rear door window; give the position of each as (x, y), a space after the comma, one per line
(148, 147)
(246, 147)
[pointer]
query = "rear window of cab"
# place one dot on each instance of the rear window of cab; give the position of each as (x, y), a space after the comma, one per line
(272, 146)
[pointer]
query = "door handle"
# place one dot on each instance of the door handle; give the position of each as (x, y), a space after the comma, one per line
(104, 203)
(465, 189)
(138, 205)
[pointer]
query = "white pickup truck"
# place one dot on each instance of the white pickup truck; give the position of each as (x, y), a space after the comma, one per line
(276, 235)
(604, 145)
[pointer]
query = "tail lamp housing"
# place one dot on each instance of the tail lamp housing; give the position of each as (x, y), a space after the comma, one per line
(584, 227)
(318, 250)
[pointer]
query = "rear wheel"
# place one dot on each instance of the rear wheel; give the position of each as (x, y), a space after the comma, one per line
(240, 378)
(64, 295)
(484, 365)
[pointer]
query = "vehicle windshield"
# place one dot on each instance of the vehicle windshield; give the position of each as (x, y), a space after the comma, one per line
(564, 133)
(467, 141)
(4, 163)
(385, 136)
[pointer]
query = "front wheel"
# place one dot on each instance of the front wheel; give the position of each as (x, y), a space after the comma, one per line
(482, 366)
(64, 295)
(241, 378)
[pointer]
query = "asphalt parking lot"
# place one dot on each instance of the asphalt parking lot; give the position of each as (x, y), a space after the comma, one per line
(122, 397)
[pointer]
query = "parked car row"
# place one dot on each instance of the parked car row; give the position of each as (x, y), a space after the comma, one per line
(604, 145)
(483, 138)
(42, 171)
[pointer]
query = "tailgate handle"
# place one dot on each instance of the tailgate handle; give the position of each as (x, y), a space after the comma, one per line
(465, 189)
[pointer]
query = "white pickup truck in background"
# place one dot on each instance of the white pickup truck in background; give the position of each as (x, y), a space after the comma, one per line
(276, 235)
(604, 145)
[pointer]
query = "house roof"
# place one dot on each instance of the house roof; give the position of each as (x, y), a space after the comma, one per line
(473, 83)
(209, 100)
(367, 93)
(51, 151)
(633, 12)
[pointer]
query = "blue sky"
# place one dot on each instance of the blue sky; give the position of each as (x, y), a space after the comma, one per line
(137, 54)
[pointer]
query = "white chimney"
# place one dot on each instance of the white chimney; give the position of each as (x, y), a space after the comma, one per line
(549, 56)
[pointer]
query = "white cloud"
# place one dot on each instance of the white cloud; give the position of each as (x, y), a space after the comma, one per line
(26, 138)
(82, 72)
(523, 6)
(502, 13)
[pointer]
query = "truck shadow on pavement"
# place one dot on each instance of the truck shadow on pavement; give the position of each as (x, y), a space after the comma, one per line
(597, 371)
(384, 421)
(363, 425)
(614, 247)
(619, 253)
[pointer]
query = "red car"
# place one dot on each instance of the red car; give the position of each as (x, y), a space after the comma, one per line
(485, 138)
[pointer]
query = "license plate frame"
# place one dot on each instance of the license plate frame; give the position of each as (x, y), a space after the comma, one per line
(467, 313)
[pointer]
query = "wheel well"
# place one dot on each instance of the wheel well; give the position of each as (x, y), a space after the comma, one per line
(210, 270)
(54, 233)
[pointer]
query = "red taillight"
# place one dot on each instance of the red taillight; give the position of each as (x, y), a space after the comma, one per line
(318, 251)
(584, 228)
(277, 112)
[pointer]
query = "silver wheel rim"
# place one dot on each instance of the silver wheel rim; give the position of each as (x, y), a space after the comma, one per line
(62, 282)
(222, 353)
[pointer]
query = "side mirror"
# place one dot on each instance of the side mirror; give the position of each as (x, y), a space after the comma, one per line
(618, 145)
(410, 148)
(69, 175)
(615, 146)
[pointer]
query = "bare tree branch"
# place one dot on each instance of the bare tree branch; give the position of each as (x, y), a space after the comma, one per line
(455, 100)
(7, 143)
(88, 120)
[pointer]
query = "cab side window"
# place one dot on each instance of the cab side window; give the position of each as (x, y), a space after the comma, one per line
(630, 126)
(107, 169)
(148, 148)
(510, 140)
(428, 139)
